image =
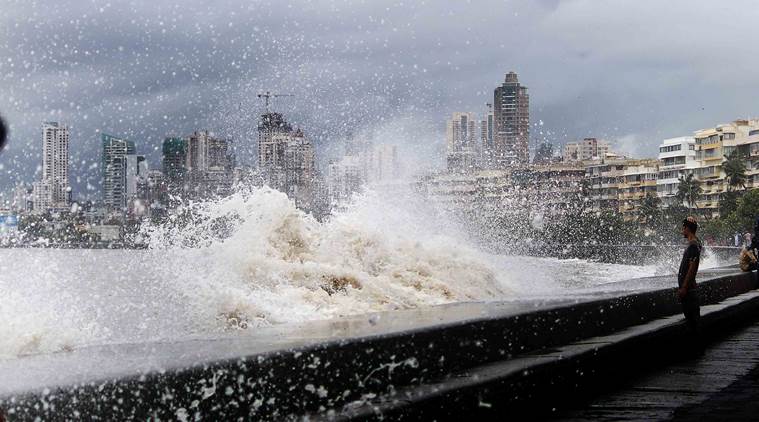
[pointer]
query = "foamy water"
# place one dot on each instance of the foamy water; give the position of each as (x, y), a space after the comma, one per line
(278, 265)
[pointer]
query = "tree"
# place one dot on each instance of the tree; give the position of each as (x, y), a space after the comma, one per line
(728, 202)
(543, 154)
(688, 190)
(747, 211)
(735, 170)
(650, 211)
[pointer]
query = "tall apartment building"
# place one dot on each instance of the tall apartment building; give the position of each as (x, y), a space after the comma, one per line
(174, 164)
(53, 192)
(271, 148)
(677, 158)
(487, 128)
(114, 167)
(209, 164)
(511, 113)
(286, 160)
(587, 149)
(461, 141)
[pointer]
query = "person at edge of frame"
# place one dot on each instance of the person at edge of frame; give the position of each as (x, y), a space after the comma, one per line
(687, 291)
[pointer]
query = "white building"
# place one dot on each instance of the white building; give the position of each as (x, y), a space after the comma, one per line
(383, 164)
(53, 192)
(461, 138)
(677, 158)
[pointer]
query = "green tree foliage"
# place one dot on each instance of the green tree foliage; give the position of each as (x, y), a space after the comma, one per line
(728, 202)
(688, 190)
(746, 212)
(735, 170)
(544, 153)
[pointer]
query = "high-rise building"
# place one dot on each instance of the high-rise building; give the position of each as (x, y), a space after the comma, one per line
(174, 163)
(271, 150)
(511, 113)
(460, 132)
(286, 159)
(487, 128)
(53, 192)
(115, 152)
(209, 164)
(461, 143)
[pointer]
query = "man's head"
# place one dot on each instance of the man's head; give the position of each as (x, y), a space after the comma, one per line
(689, 227)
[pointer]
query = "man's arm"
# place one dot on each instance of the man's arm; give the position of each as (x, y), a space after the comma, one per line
(690, 278)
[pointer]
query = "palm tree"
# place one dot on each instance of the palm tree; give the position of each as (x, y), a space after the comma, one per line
(688, 190)
(735, 170)
(650, 210)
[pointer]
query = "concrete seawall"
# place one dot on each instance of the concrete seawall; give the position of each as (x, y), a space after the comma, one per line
(359, 367)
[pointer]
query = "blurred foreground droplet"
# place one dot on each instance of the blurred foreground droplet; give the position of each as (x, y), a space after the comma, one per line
(3, 132)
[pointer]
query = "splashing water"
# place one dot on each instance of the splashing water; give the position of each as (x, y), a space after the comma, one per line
(281, 265)
(254, 259)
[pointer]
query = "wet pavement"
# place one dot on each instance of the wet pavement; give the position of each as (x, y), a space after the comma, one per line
(722, 384)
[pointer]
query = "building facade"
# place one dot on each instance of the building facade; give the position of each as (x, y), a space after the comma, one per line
(209, 165)
(53, 191)
(713, 146)
(287, 160)
(585, 150)
(511, 113)
(114, 168)
(487, 128)
(461, 141)
(677, 158)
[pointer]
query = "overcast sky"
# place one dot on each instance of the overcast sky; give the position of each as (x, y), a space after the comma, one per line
(634, 72)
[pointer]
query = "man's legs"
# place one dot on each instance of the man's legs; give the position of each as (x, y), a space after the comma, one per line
(692, 312)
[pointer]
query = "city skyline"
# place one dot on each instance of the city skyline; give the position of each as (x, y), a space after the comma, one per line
(151, 70)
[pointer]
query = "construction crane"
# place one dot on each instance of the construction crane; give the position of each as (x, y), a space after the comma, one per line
(266, 95)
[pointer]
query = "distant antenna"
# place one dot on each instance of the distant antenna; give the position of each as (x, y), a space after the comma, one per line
(266, 95)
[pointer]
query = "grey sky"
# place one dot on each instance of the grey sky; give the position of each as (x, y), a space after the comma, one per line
(631, 71)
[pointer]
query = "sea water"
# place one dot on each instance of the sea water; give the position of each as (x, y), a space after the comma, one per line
(274, 264)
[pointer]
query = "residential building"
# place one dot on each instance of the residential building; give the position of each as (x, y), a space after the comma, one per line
(114, 167)
(286, 160)
(23, 199)
(603, 177)
(638, 181)
(712, 147)
(487, 128)
(271, 148)
(174, 163)
(511, 112)
(461, 142)
(53, 191)
(677, 158)
(209, 165)
(587, 149)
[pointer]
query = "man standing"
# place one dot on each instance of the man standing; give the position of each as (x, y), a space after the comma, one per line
(686, 278)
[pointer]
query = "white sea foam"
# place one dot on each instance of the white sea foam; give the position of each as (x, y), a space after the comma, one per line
(281, 265)
(274, 264)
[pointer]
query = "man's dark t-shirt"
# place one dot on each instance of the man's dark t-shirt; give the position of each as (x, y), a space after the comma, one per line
(692, 254)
